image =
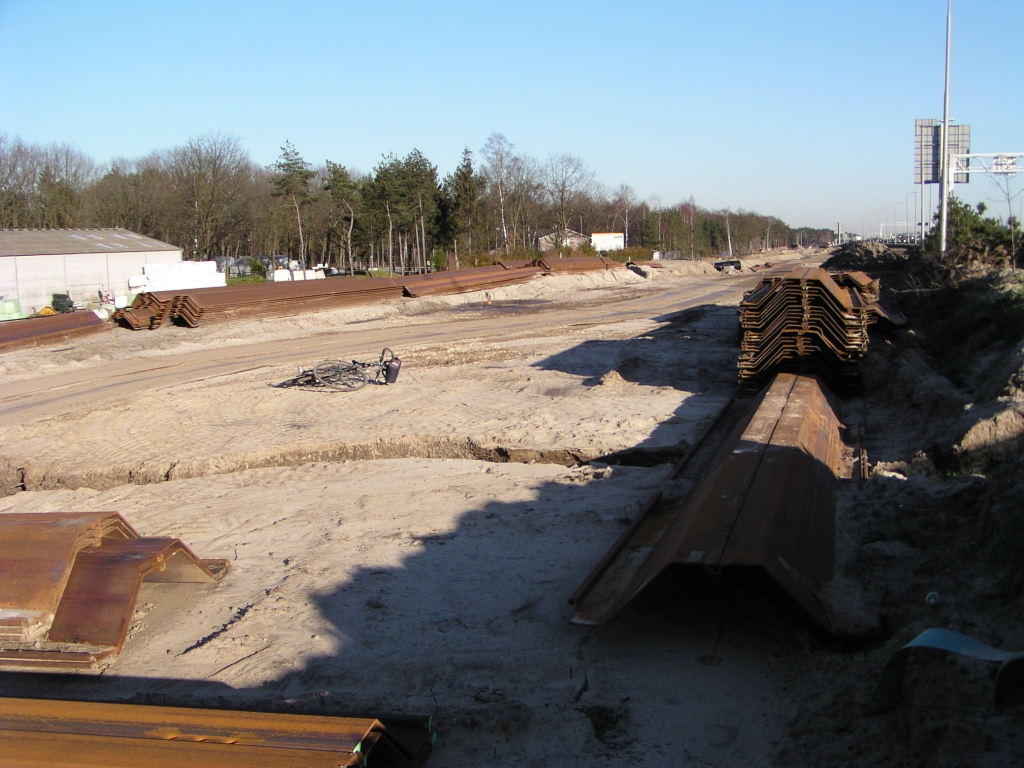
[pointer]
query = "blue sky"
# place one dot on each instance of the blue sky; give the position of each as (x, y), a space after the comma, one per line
(795, 108)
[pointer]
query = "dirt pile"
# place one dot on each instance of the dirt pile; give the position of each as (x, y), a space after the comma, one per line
(867, 257)
(941, 513)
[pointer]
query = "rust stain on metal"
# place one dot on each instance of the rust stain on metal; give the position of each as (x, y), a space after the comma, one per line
(464, 280)
(69, 582)
(45, 732)
(234, 302)
(578, 264)
(49, 330)
(767, 500)
(810, 321)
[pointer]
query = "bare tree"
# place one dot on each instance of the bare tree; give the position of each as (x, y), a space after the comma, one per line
(523, 192)
(1003, 182)
(210, 175)
(625, 202)
(566, 180)
(499, 157)
(19, 169)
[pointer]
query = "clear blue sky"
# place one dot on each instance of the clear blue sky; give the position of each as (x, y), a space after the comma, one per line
(801, 108)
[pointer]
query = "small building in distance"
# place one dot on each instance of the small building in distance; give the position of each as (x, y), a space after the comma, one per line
(608, 241)
(571, 239)
(35, 264)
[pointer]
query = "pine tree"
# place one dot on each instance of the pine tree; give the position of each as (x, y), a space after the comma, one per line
(293, 183)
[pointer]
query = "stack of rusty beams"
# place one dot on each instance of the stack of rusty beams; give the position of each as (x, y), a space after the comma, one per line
(767, 500)
(148, 310)
(577, 264)
(49, 330)
(808, 322)
(464, 280)
(40, 732)
(515, 264)
(69, 582)
(210, 305)
(234, 302)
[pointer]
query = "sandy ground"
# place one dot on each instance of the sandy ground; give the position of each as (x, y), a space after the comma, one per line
(410, 549)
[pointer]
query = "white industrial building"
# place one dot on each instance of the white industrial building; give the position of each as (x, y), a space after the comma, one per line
(608, 241)
(35, 264)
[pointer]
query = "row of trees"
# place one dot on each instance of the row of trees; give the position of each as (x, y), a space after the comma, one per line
(210, 198)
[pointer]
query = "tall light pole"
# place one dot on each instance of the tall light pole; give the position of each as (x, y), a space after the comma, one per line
(906, 201)
(944, 144)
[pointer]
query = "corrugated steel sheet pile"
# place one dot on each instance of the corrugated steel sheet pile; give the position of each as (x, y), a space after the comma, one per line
(209, 305)
(767, 500)
(69, 582)
(464, 280)
(39, 732)
(809, 322)
(148, 310)
(555, 265)
(49, 330)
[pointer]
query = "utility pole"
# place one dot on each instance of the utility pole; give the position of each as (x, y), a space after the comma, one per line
(944, 144)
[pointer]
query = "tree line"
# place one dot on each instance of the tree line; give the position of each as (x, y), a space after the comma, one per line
(210, 198)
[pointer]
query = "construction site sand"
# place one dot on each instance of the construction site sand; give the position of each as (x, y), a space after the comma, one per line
(429, 580)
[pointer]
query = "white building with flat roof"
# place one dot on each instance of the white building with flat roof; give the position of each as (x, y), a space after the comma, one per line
(35, 264)
(608, 241)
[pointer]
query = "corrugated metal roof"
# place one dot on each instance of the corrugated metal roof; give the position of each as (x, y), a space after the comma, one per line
(36, 242)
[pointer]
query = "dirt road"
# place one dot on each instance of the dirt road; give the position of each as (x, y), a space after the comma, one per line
(37, 395)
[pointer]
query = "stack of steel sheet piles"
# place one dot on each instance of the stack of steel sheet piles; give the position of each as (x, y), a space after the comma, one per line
(148, 310)
(578, 264)
(69, 582)
(40, 732)
(233, 302)
(49, 330)
(766, 500)
(808, 322)
(515, 264)
(465, 280)
(208, 305)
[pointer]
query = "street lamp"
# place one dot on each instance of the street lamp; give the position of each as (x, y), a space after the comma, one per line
(910, 238)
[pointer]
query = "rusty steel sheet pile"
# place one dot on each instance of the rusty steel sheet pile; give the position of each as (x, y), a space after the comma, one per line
(767, 500)
(555, 265)
(40, 732)
(465, 280)
(515, 263)
(809, 322)
(69, 583)
(233, 302)
(54, 329)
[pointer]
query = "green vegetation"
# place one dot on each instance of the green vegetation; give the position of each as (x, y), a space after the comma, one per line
(973, 240)
(246, 279)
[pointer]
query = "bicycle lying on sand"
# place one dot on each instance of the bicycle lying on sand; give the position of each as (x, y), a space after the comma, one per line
(348, 377)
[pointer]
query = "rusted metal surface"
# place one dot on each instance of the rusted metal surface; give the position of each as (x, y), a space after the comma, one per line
(69, 582)
(553, 264)
(809, 322)
(767, 500)
(235, 302)
(49, 330)
(464, 280)
(39, 732)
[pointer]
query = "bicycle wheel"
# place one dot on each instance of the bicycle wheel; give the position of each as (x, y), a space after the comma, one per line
(344, 377)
